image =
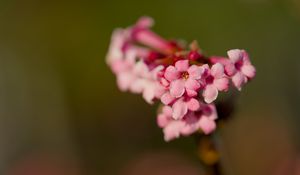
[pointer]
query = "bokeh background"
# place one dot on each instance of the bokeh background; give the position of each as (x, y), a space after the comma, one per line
(61, 111)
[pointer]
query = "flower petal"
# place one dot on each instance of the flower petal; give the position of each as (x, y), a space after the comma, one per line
(145, 22)
(119, 66)
(207, 125)
(167, 98)
(130, 57)
(230, 69)
(217, 70)
(164, 82)
(221, 84)
(162, 120)
(141, 69)
(210, 93)
(124, 80)
(213, 115)
(182, 65)
(159, 90)
(171, 73)
(238, 80)
(195, 72)
(193, 104)
(191, 93)
(177, 88)
(149, 93)
(205, 71)
(179, 109)
(192, 84)
(235, 54)
(155, 72)
(209, 111)
(115, 52)
(137, 86)
(168, 111)
(172, 130)
(249, 70)
(246, 58)
(191, 124)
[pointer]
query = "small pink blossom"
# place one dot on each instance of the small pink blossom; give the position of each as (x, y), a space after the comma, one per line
(180, 106)
(244, 70)
(167, 98)
(214, 81)
(228, 65)
(203, 119)
(141, 33)
(183, 78)
(118, 39)
(123, 69)
(146, 82)
(137, 78)
(183, 105)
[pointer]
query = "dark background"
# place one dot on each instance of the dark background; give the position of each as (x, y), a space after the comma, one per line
(59, 101)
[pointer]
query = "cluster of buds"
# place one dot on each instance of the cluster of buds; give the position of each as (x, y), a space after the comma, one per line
(182, 78)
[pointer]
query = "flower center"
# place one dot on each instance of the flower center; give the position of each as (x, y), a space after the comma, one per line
(209, 79)
(185, 75)
(238, 64)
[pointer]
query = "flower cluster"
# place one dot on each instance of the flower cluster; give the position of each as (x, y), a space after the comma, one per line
(182, 78)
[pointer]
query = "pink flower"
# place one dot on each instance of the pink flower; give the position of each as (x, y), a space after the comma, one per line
(136, 77)
(123, 68)
(132, 73)
(118, 39)
(122, 42)
(244, 70)
(214, 80)
(228, 65)
(147, 82)
(172, 128)
(203, 119)
(141, 33)
(183, 78)
(183, 105)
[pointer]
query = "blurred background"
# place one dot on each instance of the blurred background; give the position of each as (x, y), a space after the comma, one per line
(61, 111)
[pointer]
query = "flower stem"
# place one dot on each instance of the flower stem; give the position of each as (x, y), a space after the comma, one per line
(209, 154)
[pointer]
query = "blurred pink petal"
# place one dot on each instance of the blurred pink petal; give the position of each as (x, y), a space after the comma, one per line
(193, 104)
(249, 70)
(180, 108)
(191, 93)
(210, 93)
(177, 88)
(145, 22)
(207, 125)
(163, 119)
(217, 70)
(171, 73)
(221, 84)
(167, 98)
(238, 79)
(235, 54)
(182, 65)
(172, 130)
(195, 72)
(192, 84)
(149, 93)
